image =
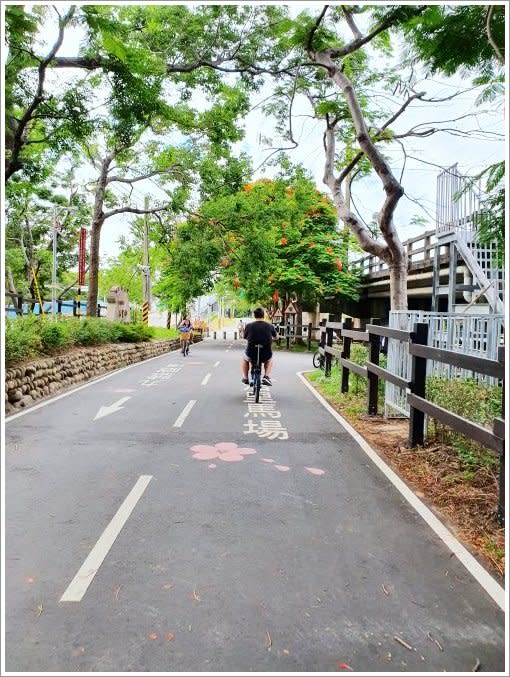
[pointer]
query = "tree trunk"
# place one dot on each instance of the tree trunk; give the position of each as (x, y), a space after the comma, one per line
(392, 251)
(398, 284)
(98, 218)
(95, 235)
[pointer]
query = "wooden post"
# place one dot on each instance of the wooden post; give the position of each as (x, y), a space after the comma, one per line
(501, 500)
(329, 342)
(309, 341)
(346, 354)
(287, 335)
(417, 385)
(373, 379)
(322, 339)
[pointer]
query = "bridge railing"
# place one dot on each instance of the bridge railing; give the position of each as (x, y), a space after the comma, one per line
(420, 250)
(414, 386)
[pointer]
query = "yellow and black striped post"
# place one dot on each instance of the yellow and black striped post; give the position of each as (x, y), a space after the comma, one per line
(145, 312)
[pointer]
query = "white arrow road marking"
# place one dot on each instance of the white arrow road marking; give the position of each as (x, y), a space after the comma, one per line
(104, 411)
(184, 413)
(78, 586)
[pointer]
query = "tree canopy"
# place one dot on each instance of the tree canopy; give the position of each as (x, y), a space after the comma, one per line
(275, 238)
(158, 93)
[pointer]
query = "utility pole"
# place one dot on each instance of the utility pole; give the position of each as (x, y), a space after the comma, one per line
(145, 266)
(56, 229)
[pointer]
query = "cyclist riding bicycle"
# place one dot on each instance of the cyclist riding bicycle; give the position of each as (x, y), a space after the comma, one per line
(256, 333)
(186, 331)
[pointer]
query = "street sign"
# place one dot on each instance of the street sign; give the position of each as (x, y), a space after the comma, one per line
(290, 309)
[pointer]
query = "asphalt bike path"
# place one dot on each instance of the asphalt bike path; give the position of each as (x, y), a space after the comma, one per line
(158, 520)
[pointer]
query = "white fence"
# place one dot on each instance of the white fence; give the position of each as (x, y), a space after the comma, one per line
(478, 335)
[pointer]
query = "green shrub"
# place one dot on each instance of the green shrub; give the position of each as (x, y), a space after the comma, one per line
(33, 335)
(132, 333)
(56, 334)
(22, 337)
(466, 397)
(474, 401)
(92, 332)
(359, 355)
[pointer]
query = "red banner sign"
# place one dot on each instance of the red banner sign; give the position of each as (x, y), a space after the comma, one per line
(82, 255)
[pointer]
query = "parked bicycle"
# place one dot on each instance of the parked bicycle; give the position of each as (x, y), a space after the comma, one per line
(319, 359)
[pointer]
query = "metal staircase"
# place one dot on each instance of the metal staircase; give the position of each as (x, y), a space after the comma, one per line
(458, 212)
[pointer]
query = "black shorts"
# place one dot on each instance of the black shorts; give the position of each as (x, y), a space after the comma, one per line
(250, 355)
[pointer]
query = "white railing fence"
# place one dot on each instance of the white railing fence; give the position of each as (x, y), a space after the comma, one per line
(478, 335)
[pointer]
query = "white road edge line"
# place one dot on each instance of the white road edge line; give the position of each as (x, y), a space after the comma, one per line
(490, 585)
(78, 586)
(205, 379)
(182, 416)
(7, 419)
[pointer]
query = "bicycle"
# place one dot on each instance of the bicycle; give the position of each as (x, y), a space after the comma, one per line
(256, 374)
(319, 359)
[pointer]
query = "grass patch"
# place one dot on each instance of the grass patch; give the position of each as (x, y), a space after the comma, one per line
(161, 333)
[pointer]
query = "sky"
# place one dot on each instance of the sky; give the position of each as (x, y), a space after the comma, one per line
(425, 158)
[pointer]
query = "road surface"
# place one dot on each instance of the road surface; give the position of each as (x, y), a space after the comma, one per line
(157, 520)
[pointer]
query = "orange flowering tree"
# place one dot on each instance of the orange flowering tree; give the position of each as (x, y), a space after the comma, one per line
(274, 238)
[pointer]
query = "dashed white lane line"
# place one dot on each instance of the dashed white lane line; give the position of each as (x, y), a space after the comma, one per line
(205, 379)
(216, 363)
(75, 390)
(182, 416)
(78, 586)
(490, 585)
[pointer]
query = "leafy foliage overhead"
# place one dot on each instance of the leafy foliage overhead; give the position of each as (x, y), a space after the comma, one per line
(273, 239)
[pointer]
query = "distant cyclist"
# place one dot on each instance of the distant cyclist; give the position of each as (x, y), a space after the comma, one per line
(262, 333)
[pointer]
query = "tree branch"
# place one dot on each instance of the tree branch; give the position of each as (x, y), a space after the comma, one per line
(134, 210)
(351, 23)
(318, 22)
(13, 163)
(490, 38)
(134, 179)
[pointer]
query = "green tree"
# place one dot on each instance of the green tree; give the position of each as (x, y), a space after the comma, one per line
(272, 238)
(470, 40)
(40, 125)
(31, 210)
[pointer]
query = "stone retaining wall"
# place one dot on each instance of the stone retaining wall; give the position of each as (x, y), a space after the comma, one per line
(27, 382)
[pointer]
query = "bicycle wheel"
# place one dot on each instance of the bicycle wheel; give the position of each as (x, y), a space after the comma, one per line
(255, 382)
(316, 359)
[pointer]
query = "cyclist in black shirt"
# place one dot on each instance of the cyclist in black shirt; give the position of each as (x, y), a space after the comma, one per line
(262, 333)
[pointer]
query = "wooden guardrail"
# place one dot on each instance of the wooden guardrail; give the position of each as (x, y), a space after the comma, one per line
(419, 406)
